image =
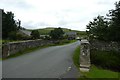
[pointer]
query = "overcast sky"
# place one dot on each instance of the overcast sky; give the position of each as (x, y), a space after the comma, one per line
(72, 14)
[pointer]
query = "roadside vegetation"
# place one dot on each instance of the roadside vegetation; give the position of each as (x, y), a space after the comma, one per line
(10, 27)
(76, 56)
(82, 34)
(106, 59)
(95, 70)
(105, 64)
(106, 28)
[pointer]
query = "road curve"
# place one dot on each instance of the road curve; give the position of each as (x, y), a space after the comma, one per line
(51, 62)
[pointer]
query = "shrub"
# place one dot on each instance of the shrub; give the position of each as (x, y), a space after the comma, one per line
(106, 59)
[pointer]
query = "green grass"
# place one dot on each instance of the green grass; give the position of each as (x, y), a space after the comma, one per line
(76, 56)
(106, 59)
(104, 64)
(6, 41)
(96, 72)
(28, 50)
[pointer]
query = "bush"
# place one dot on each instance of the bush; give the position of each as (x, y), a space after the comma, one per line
(22, 37)
(106, 59)
(57, 34)
(12, 35)
(35, 34)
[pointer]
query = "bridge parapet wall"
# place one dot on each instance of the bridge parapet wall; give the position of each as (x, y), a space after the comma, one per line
(14, 47)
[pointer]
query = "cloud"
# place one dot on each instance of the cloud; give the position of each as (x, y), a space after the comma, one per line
(73, 14)
(19, 4)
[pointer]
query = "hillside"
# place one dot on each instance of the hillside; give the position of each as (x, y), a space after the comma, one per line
(45, 31)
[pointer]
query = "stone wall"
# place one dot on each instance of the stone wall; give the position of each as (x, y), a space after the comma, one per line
(14, 47)
(107, 46)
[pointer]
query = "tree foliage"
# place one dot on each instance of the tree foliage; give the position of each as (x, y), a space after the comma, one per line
(106, 28)
(114, 29)
(57, 33)
(98, 28)
(35, 34)
(10, 26)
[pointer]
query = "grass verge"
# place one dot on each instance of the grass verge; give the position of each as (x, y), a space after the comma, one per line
(95, 72)
(28, 50)
(76, 56)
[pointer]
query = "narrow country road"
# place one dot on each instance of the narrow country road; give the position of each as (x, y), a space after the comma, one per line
(51, 62)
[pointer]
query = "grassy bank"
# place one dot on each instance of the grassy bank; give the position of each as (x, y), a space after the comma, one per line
(76, 56)
(28, 50)
(95, 72)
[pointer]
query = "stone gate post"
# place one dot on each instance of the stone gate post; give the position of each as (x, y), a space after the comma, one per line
(84, 56)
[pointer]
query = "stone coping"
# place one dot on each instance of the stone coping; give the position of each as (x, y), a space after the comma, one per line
(84, 41)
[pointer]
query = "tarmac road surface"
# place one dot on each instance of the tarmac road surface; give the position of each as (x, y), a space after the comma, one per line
(51, 62)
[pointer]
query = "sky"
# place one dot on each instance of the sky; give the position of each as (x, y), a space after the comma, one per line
(72, 14)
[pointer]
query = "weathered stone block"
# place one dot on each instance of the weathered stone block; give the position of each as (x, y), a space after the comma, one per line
(85, 55)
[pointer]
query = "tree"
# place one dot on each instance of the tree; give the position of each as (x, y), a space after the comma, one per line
(98, 28)
(106, 28)
(57, 33)
(8, 25)
(35, 34)
(19, 24)
(114, 29)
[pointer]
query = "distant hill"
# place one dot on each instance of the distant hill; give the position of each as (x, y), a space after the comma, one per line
(45, 31)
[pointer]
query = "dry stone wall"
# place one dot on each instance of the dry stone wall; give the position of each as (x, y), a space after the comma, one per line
(106, 46)
(14, 47)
